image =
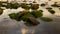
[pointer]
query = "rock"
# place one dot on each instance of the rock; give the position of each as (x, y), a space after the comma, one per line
(51, 11)
(1, 11)
(20, 14)
(34, 6)
(25, 11)
(48, 8)
(43, 4)
(14, 16)
(25, 17)
(33, 21)
(46, 19)
(25, 6)
(37, 13)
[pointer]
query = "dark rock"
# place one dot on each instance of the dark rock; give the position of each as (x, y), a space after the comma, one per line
(34, 6)
(48, 8)
(1, 11)
(43, 4)
(51, 11)
(33, 21)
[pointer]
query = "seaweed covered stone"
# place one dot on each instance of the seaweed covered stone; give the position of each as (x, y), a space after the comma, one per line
(8, 5)
(37, 13)
(1, 11)
(46, 19)
(48, 8)
(25, 6)
(34, 6)
(15, 6)
(55, 5)
(43, 4)
(26, 11)
(32, 22)
(14, 16)
(25, 17)
(51, 11)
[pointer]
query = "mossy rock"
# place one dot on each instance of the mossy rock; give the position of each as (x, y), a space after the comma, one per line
(8, 5)
(12, 6)
(43, 4)
(46, 19)
(15, 6)
(25, 6)
(51, 11)
(37, 13)
(14, 16)
(28, 24)
(40, 10)
(25, 17)
(55, 5)
(48, 8)
(33, 21)
(35, 6)
(26, 11)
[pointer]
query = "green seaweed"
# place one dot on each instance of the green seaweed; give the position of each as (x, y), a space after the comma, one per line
(14, 16)
(15, 6)
(28, 24)
(24, 6)
(37, 13)
(43, 4)
(25, 17)
(46, 19)
(34, 6)
(48, 8)
(55, 5)
(51, 11)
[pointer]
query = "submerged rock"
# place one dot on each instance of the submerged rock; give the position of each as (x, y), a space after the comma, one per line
(33, 21)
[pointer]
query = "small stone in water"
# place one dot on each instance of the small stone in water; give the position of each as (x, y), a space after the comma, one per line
(46, 19)
(33, 21)
(51, 11)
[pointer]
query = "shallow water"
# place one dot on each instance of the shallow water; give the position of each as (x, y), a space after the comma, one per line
(9, 26)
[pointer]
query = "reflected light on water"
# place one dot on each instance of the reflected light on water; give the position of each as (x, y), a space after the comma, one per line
(23, 30)
(26, 31)
(33, 31)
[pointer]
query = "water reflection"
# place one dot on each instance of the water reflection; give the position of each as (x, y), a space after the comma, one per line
(23, 30)
(33, 31)
(27, 31)
(43, 28)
